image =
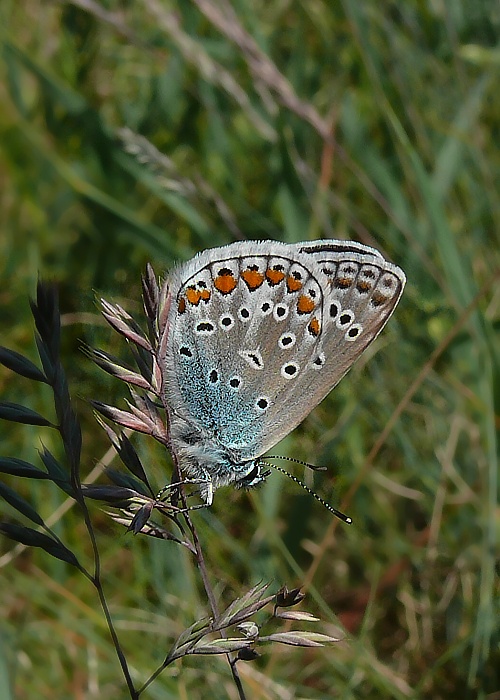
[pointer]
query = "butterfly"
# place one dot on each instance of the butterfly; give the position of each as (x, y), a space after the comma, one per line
(258, 333)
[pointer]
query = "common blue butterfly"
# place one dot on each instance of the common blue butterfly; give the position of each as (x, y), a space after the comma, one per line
(258, 333)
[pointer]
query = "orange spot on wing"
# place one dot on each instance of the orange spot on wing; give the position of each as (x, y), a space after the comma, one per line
(274, 277)
(313, 327)
(305, 304)
(193, 296)
(225, 282)
(378, 299)
(205, 295)
(293, 285)
(363, 286)
(343, 282)
(182, 305)
(253, 279)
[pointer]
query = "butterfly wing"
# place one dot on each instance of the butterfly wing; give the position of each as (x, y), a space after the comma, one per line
(360, 291)
(260, 332)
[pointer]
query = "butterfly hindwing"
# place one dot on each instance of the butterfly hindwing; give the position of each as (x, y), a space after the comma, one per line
(359, 293)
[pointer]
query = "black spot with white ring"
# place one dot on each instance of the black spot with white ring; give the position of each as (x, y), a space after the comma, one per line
(287, 341)
(318, 361)
(266, 308)
(213, 377)
(243, 314)
(185, 351)
(345, 319)
(280, 312)
(335, 309)
(353, 332)
(262, 404)
(226, 322)
(253, 358)
(205, 327)
(290, 370)
(235, 383)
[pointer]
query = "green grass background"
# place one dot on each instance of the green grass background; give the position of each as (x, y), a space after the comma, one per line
(239, 102)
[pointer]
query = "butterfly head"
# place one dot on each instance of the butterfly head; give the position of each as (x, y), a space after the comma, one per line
(254, 476)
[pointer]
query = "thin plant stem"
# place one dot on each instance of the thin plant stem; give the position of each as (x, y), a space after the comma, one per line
(200, 559)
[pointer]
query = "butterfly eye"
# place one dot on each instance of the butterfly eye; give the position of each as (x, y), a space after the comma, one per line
(205, 327)
(252, 478)
(253, 474)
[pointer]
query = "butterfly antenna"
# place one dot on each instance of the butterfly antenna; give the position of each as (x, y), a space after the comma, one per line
(298, 461)
(337, 513)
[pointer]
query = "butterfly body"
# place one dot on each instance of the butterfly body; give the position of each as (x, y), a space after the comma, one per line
(258, 334)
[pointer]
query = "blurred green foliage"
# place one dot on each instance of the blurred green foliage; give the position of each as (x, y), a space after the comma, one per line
(239, 100)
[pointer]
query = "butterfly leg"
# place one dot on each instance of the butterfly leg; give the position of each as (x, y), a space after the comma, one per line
(207, 493)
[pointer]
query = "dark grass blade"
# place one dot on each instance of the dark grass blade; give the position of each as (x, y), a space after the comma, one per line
(21, 365)
(45, 358)
(110, 493)
(127, 453)
(45, 311)
(127, 481)
(143, 360)
(56, 471)
(20, 504)
(32, 538)
(18, 467)
(21, 414)
(141, 518)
